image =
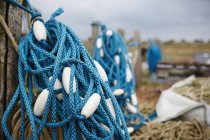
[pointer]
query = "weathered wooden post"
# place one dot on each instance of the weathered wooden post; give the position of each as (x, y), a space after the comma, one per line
(95, 31)
(121, 32)
(137, 67)
(8, 56)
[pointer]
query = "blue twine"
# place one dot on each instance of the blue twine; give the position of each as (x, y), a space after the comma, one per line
(113, 45)
(39, 60)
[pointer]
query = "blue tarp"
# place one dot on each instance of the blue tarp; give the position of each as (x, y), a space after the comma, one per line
(153, 56)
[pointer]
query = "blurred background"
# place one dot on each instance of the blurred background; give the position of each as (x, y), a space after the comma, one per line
(179, 27)
(164, 19)
(168, 40)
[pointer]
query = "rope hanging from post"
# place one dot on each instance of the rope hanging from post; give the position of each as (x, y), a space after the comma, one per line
(73, 93)
(111, 52)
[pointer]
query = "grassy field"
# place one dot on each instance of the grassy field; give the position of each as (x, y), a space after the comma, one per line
(182, 52)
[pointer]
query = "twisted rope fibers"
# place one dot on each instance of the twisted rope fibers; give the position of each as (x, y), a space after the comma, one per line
(198, 90)
(173, 130)
(39, 60)
(111, 52)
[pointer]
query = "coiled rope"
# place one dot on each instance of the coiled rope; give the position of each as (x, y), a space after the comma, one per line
(173, 130)
(198, 90)
(82, 106)
(111, 52)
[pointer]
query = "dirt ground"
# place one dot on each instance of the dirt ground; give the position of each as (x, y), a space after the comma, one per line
(149, 92)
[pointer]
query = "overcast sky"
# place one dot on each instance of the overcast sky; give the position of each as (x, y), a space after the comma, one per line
(164, 19)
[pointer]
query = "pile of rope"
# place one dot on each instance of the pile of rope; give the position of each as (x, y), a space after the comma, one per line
(111, 52)
(147, 108)
(198, 90)
(74, 100)
(172, 130)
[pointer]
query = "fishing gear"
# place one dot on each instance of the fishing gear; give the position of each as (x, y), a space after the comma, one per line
(73, 97)
(111, 52)
(173, 130)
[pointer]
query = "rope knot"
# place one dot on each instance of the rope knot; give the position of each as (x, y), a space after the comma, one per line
(35, 15)
(36, 18)
(79, 117)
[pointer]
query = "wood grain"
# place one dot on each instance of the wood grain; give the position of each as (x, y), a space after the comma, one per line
(8, 56)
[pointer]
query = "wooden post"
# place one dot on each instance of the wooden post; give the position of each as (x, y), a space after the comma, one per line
(138, 61)
(95, 31)
(8, 56)
(137, 67)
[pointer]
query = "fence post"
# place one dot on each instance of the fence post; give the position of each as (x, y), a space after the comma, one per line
(8, 56)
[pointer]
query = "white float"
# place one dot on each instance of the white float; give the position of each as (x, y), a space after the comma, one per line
(39, 30)
(74, 85)
(134, 99)
(118, 92)
(57, 86)
(117, 59)
(120, 123)
(115, 82)
(105, 127)
(101, 71)
(131, 108)
(123, 132)
(66, 80)
(109, 32)
(128, 74)
(111, 107)
(41, 102)
(130, 130)
(99, 43)
(101, 52)
(91, 105)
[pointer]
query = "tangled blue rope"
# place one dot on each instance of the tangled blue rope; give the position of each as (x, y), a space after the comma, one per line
(111, 52)
(42, 60)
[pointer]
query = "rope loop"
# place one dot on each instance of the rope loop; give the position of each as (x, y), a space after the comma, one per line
(65, 89)
(111, 52)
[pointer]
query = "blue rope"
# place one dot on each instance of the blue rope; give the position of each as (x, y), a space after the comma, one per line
(108, 46)
(39, 60)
